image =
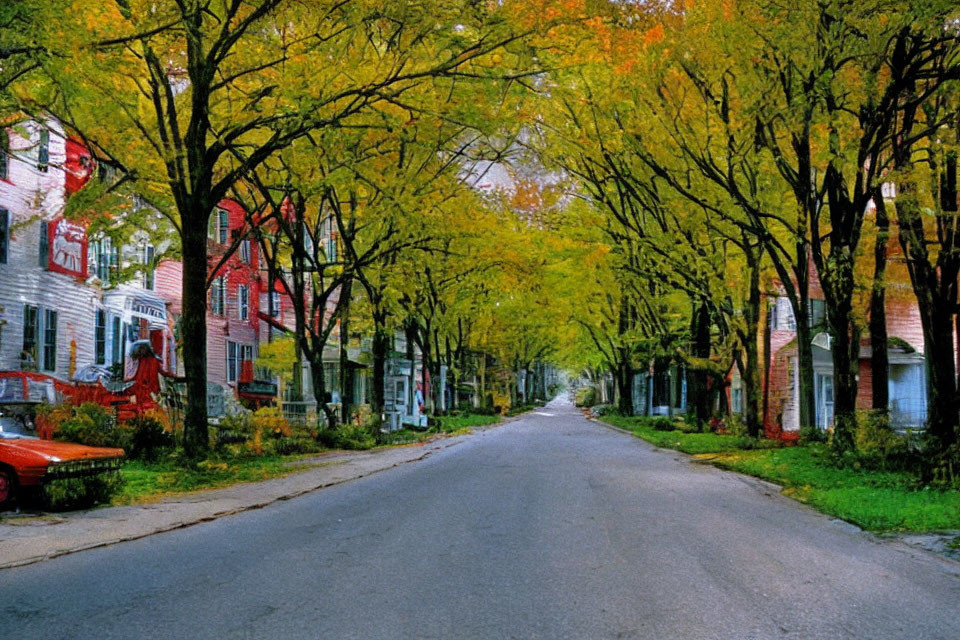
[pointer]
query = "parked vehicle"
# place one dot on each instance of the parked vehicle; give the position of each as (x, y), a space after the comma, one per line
(27, 462)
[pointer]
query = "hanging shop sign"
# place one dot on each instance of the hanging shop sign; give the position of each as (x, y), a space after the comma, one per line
(68, 248)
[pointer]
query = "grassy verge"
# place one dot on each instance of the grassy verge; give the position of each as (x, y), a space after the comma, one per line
(881, 501)
(447, 425)
(150, 481)
(521, 408)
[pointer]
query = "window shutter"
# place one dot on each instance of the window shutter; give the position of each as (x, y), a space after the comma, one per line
(43, 151)
(4, 232)
(4, 154)
(44, 245)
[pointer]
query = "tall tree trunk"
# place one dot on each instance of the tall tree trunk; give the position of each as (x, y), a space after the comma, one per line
(806, 409)
(700, 330)
(346, 379)
(624, 376)
(317, 375)
(845, 349)
(194, 332)
(750, 370)
(381, 344)
(879, 360)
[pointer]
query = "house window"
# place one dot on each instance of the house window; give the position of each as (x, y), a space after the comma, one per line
(233, 353)
(31, 332)
(781, 315)
(217, 297)
(4, 234)
(147, 253)
(817, 312)
(736, 393)
(49, 340)
(275, 304)
(43, 151)
(661, 389)
(223, 225)
(245, 251)
(104, 259)
(218, 228)
(100, 337)
(243, 301)
(237, 354)
(116, 347)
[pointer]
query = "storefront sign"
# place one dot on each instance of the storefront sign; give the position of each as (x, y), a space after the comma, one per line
(68, 248)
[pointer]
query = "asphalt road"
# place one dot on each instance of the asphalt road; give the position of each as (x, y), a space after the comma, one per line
(550, 527)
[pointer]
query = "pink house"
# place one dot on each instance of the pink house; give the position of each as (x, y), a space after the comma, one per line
(233, 304)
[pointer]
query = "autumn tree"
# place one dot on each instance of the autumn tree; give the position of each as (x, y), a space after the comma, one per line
(190, 97)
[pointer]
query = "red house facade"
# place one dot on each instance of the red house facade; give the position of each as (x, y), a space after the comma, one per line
(233, 304)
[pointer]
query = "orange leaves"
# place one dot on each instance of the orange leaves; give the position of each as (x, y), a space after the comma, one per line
(654, 35)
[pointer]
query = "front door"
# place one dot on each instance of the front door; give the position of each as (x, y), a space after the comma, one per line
(824, 391)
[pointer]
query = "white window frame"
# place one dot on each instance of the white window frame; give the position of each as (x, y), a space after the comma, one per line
(233, 362)
(243, 302)
(218, 297)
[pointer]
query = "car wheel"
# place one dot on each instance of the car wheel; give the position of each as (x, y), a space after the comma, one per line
(8, 486)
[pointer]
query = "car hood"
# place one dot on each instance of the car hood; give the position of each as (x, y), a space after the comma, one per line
(54, 451)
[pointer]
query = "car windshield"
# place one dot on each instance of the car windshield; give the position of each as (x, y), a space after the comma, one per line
(12, 427)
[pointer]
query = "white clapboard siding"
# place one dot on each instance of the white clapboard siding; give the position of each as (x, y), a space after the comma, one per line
(33, 197)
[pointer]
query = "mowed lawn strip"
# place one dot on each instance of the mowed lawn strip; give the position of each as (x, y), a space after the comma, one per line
(151, 481)
(880, 501)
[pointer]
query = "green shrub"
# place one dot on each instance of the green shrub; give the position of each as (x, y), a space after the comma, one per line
(94, 426)
(354, 436)
(735, 426)
(147, 438)
(662, 423)
(295, 445)
(605, 410)
(78, 493)
(809, 435)
(586, 397)
(348, 436)
(234, 428)
(878, 445)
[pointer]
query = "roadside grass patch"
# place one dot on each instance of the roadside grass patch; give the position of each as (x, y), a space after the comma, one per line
(879, 501)
(150, 481)
(456, 423)
(681, 441)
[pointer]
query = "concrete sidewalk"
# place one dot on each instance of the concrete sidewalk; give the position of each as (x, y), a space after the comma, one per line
(29, 538)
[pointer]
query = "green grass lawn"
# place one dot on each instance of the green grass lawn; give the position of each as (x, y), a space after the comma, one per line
(880, 501)
(451, 424)
(150, 481)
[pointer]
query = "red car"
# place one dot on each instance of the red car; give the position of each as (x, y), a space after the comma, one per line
(27, 461)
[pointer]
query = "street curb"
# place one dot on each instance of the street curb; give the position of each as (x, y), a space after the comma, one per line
(440, 445)
(753, 481)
